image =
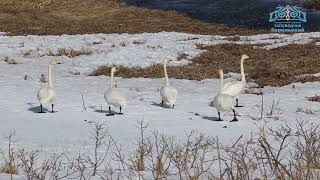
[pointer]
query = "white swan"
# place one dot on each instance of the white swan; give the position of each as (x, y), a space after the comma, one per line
(168, 93)
(46, 94)
(224, 102)
(114, 96)
(235, 88)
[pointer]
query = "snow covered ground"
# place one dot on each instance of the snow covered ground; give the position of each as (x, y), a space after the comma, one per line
(68, 129)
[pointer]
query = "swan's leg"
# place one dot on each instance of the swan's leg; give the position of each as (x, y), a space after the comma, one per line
(172, 106)
(109, 114)
(237, 103)
(162, 102)
(219, 116)
(52, 108)
(234, 116)
(41, 111)
(120, 113)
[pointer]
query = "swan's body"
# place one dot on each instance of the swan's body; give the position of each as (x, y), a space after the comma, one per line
(46, 93)
(114, 96)
(223, 102)
(236, 88)
(168, 93)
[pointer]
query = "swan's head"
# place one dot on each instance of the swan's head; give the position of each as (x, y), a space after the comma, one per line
(53, 62)
(167, 60)
(244, 57)
(113, 69)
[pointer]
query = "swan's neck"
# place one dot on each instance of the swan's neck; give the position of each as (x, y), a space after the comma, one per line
(221, 84)
(111, 80)
(50, 80)
(243, 77)
(166, 80)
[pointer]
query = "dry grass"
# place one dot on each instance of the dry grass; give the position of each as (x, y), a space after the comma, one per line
(8, 168)
(56, 17)
(182, 56)
(315, 98)
(307, 111)
(138, 42)
(70, 52)
(276, 67)
(47, 4)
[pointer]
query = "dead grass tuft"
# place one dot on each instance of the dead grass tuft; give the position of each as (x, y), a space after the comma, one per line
(9, 168)
(306, 110)
(70, 52)
(181, 56)
(276, 67)
(315, 98)
(138, 42)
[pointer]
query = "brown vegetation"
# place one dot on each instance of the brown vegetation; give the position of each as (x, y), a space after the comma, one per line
(56, 17)
(276, 67)
(70, 52)
(315, 98)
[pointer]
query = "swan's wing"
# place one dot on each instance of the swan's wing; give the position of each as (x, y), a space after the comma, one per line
(45, 95)
(169, 94)
(226, 103)
(116, 97)
(42, 93)
(233, 88)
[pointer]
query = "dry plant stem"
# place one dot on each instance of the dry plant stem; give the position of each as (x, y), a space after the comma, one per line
(262, 104)
(83, 104)
(219, 157)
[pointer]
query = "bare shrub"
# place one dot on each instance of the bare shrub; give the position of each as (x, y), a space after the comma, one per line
(143, 149)
(192, 158)
(272, 153)
(99, 135)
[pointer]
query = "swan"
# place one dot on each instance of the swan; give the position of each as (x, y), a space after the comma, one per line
(224, 102)
(114, 96)
(168, 93)
(235, 88)
(46, 94)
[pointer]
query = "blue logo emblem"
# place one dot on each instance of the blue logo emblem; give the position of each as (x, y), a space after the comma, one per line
(287, 19)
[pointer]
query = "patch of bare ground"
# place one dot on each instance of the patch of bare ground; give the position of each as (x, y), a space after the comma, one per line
(275, 67)
(56, 17)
